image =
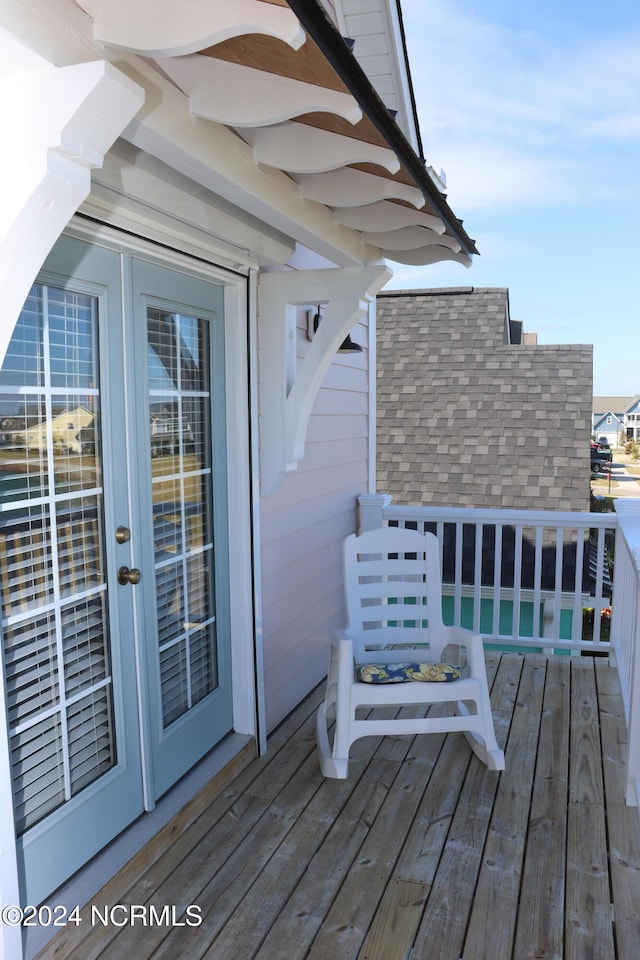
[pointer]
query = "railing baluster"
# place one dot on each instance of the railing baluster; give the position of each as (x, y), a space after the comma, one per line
(576, 617)
(517, 582)
(599, 599)
(497, 579)
(537, 584)
(457, 602)
(477, 577)
(557, 594)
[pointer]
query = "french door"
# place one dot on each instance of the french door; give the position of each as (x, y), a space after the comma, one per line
(113, 548)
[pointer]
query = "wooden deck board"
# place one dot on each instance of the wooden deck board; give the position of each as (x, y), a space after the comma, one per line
(318, 888)
(444, 923)
(398, 916)
(351, 914)
(495, 905)
(589, 932)
(422, 852)
(269, 893)
(622, 821)
(540, 922)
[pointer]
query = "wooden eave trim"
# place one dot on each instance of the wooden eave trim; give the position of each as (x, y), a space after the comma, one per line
(319, 27)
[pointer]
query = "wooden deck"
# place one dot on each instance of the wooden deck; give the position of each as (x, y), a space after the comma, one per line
(422, 854)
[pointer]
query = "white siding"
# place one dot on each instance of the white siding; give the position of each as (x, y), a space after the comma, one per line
(374, 25)
(372, 50)
(302, 528)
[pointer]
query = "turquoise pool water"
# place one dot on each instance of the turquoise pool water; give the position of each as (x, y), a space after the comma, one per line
(505, 621)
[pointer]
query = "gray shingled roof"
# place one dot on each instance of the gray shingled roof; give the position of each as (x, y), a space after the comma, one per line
(464, 417)
(613, 404)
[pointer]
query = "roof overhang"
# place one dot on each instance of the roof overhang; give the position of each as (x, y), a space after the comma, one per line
(273, 85)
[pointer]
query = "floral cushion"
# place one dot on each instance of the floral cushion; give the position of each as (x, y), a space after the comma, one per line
(401, 672)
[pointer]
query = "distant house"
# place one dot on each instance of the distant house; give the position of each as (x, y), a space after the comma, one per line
(470, 412)
(616, 418)
(609, 425)
(632, 420)
(65, 430)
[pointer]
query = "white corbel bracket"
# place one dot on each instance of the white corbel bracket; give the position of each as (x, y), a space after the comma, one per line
(164, 28)
(60, 122)
(286, 399)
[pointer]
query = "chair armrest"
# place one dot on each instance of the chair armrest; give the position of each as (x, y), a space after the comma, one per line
(342, 646)
(474, 644)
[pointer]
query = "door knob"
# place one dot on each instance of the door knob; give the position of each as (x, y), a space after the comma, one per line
(126, 575)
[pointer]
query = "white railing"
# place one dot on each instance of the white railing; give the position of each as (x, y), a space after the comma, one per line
(530, 578)
(527, 578)
(625, 632)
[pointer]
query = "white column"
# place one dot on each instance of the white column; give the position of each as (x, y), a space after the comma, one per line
(57, 124)
(372, 371)
(10, 937)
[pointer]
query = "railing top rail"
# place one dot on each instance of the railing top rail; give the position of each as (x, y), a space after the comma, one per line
(547, 518)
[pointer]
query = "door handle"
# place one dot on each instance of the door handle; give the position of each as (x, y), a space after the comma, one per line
(126, 575)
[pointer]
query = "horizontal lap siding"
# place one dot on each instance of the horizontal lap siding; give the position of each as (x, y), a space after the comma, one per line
(302, 527)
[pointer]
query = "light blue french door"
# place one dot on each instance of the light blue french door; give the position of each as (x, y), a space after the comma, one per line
(113, 551)
(179, 343)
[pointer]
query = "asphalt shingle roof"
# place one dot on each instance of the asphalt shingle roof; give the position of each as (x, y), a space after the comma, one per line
(613, 404)
(465, 417)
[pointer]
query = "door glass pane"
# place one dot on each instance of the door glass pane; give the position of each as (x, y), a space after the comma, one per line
(178, 360)
(53, 593)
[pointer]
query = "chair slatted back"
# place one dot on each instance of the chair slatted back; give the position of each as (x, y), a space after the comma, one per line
(393, 591)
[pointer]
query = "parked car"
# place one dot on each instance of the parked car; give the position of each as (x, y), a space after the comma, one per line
(603, 442)
(601, 457)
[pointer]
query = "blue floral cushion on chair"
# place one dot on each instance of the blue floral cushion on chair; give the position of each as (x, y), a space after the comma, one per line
(401, 672)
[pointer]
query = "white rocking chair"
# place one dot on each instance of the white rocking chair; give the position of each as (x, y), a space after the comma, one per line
(396, 651)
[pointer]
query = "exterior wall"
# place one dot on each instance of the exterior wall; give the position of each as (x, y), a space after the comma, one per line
(465, 419)
(303, 525)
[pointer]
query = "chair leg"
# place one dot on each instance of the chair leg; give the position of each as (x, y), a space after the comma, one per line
(331, 763)
(483, 740)
(330, 766)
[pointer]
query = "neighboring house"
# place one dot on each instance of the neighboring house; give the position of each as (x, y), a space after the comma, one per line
(469, 413)
(63, 430)
(632, 419)
(181, 191)
(616, 418)
(609, 425)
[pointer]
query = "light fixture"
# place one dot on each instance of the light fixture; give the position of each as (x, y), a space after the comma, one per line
(347, 346)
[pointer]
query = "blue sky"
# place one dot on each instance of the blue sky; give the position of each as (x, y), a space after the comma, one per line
(533, 112)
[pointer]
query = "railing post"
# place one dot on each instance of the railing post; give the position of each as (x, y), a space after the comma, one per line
(626, 632)
(371, 507)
